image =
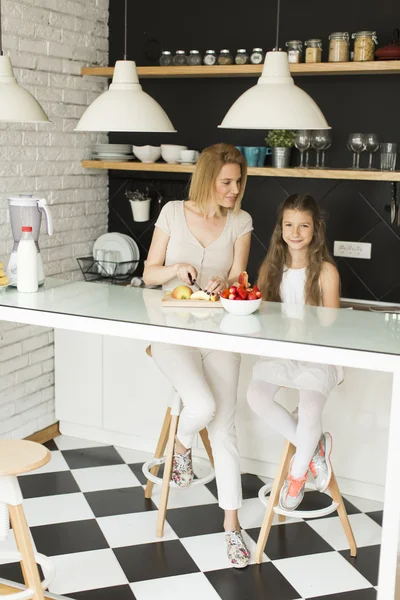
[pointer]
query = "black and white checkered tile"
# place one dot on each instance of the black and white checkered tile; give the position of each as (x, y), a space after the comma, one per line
(86, 510)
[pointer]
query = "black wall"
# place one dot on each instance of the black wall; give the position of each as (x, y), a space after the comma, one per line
(356, 211)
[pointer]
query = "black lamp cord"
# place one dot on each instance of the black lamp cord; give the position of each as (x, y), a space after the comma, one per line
(126, 29)
(277, 25)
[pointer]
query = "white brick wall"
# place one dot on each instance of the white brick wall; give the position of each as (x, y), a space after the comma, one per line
(48, 42)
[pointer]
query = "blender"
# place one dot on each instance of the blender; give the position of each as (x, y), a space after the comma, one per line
(26, 210)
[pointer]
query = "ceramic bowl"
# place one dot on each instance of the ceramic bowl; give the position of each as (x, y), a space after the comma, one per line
(147, 154)
(171, 153)
(241, 307)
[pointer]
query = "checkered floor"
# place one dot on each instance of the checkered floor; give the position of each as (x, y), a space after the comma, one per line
(86, 509)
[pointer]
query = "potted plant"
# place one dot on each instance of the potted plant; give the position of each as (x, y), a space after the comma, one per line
(140, 204)
(281, 141)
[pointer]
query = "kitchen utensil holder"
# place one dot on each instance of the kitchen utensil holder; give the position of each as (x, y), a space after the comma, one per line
(105, 271)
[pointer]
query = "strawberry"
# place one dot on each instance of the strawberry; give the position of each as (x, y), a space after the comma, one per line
(232, 296)
(258, 294)
(252, 296)
(256, 289)
(225, 293)
(242, 292)
(233, 289)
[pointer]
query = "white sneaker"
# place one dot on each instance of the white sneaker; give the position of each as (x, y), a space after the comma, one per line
(320, 465)
(182, 469)
(238, 553)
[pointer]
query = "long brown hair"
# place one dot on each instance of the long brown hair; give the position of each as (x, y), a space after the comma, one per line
(208, 167)
(278, 256)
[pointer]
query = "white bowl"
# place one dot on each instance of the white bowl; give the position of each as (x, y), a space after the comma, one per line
(171, 153)
(241, 307)
(147, 154)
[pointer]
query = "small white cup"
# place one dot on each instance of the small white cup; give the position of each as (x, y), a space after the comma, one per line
(188, 155)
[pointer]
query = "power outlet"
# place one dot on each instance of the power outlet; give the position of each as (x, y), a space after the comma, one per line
(352, 249)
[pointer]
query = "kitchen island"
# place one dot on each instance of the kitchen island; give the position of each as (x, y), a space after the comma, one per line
(358, 340)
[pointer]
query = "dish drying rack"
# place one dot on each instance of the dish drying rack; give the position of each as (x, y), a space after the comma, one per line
(107, 271)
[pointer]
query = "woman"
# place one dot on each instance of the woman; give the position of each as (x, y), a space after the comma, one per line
(206, 239)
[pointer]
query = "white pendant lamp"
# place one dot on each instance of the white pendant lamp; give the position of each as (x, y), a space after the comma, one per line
(17, 105)
(275, 102)
(125, 106)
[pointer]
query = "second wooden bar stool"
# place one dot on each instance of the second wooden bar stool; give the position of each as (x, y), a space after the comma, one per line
(272, 505)
(166, 442)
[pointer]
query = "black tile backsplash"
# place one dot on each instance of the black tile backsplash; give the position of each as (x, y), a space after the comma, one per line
(355, 210)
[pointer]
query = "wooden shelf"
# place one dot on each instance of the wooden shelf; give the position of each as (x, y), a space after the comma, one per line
(254, 171)
(384, 67)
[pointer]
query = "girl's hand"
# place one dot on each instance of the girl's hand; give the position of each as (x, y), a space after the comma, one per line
(216, 285)
(183, 271)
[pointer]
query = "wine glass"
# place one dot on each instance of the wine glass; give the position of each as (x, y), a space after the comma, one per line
(371, 146)
(302, 143)
(356, 143)
(328, 144)
(318, 141)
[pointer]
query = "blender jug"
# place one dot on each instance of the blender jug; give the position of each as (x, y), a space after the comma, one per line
(26, 210)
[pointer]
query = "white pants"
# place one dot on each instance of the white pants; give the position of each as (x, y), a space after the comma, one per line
(207, 382)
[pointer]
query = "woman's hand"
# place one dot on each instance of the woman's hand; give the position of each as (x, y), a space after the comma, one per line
(216, 285)
(186, 273)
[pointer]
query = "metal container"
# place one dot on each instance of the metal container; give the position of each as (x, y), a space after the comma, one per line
(281, 157)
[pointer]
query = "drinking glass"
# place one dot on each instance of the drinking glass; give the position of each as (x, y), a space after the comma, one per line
(371, 146)
(302, 143)
(328, 144)
(318, 141)
(388, 156)
(356, 143)
(111, 258)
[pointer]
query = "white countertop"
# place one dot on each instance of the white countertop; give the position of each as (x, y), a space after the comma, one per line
(328, 328)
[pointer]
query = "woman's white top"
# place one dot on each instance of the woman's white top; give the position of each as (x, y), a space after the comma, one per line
(213, 260)
(297, 374)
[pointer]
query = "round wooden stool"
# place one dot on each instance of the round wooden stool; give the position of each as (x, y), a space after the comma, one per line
(272, 505)
(17, 457)
(166, 442)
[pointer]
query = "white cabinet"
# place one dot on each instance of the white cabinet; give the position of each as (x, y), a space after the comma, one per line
(135, 392)
(78, 377)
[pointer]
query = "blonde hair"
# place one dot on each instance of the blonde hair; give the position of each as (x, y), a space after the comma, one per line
(209, 165)
(278, 256)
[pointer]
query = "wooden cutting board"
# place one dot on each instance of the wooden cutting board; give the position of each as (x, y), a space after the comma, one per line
(188, 304)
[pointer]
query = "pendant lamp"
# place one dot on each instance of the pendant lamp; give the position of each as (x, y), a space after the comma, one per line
(275, 102)
(125, 106)
(17, 105)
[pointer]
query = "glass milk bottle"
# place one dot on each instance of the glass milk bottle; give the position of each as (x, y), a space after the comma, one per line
(27, 263)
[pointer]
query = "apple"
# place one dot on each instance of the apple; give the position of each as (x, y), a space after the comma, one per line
(181, 292)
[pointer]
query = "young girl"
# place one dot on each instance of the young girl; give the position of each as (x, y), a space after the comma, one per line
(298, 270)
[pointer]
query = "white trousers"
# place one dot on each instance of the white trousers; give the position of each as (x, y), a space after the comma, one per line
(207, 382)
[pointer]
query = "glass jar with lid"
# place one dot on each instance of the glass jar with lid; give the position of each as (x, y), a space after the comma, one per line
(225, 57)
(210, 57)
(242, 57)
(257, 56)
(295, 51)
(339, 47)
(166, 59)
(180, 58)
(313, 50)
(364, 45)
(194, 58)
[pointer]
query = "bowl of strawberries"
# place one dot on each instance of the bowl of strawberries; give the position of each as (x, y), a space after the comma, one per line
(241, 298)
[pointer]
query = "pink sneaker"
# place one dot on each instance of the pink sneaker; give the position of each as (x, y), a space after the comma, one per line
(292, 492)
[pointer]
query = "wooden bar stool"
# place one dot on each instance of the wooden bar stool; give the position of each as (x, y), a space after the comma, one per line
(17, 457)
(166, 442)
(272, 505)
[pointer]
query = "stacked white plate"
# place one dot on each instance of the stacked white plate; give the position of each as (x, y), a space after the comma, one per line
(125, 245)
(112, 152)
